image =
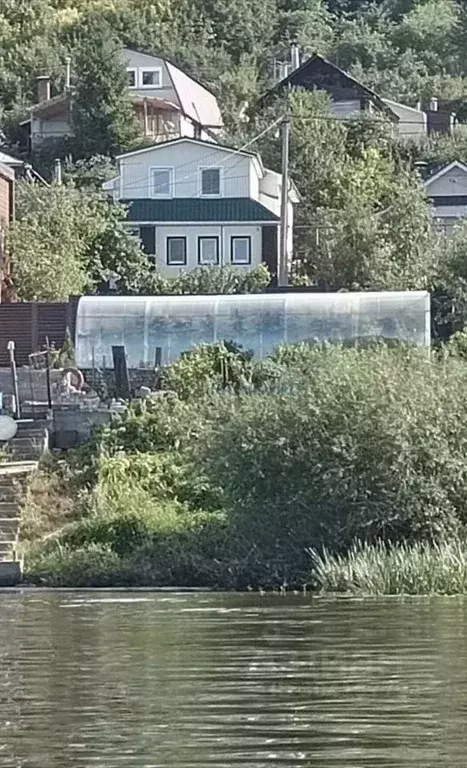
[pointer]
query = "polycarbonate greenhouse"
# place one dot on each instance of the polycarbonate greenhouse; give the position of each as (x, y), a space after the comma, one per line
(258, 322)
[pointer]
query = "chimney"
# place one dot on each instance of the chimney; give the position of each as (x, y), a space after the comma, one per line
(418, 106)
(433, 104)
(43, 88)
(68, 72)
(295, 56)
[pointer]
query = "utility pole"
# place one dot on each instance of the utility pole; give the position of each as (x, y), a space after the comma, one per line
(282, 272)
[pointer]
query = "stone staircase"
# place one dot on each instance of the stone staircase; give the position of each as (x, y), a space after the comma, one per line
(13, 477)
(30, 442)
(22, 456)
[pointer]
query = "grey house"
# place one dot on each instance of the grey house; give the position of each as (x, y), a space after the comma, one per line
(168, 103)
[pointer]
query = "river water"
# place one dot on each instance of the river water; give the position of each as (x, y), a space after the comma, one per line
(146, 680)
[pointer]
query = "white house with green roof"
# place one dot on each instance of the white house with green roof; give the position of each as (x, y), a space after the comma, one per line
(194, 203)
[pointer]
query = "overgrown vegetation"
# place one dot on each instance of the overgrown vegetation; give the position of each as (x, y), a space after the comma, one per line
(231, 476)
(420, 568)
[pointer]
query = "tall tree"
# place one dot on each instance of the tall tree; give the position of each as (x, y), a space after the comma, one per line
(104, 122)
(68, 240)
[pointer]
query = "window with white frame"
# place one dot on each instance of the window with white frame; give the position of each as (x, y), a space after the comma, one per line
(176, 251)
(150, 77)
(208, 250)
(240, 249)
(131, 75)
(161, 181)
(211, 181)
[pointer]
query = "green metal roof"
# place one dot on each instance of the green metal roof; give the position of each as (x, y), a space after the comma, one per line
(198, 209)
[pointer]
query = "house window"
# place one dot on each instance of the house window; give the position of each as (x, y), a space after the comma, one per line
(176, 251)
(131, 75)
(210, 181)
(161, 182)
(240, 250)
(151, 78)
(208, 250)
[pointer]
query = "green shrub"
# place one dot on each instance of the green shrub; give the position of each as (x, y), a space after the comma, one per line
(394, 569)
(324, 445)
(63, 566)
(362, 443)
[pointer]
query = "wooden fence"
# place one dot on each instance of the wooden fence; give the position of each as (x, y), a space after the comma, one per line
(30, 324)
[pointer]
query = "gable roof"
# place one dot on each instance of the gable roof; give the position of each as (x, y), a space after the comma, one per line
(214, 146)
(196, 100)
(316, 73)
(439, 172)
(54, 106)
(191, 209)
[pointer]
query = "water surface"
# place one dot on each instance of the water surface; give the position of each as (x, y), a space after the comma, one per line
(146, 680)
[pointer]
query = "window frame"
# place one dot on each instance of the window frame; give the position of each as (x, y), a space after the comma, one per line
(201, 239)
(142, 71)
(134, 70)
(168, 239)
(161, 195)
(203, 168)
(232, 250)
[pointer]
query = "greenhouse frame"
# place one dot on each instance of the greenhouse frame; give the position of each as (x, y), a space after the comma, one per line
(167, 326)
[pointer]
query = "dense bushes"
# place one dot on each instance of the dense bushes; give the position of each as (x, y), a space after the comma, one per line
(231, 481)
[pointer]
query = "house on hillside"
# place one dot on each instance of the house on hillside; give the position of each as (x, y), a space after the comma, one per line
(168, 104)
(194, 203)
(350, 98)
(446, 187)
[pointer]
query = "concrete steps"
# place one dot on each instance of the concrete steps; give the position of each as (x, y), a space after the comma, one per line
(30, 442)
(13, 476)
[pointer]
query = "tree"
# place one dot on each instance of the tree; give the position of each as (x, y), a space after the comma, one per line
(67, 240)
(363, 221)
(103, 118)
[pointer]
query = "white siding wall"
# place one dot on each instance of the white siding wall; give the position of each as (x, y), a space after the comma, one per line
(186, 159)
(455, 211)
(141, 61)
(412, 122)
(452, 183)
(186, 127)
(192, 232)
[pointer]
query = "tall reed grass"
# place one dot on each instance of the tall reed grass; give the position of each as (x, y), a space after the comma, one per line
(394, 569)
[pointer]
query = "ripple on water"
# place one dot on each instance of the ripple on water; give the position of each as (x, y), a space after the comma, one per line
(237, 681)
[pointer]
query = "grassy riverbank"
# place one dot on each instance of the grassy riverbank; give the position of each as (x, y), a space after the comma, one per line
(394, 569)
(240, 468)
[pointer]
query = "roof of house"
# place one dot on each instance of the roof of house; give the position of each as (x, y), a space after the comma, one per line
(197, 101)
(437, 172)
(13, 162)
(194, 209)
(214, 146)
(318, 71)
(397, 105)
(154, 101)
(54, 106)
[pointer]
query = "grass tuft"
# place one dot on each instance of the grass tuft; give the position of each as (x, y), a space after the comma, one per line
(394, 569)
